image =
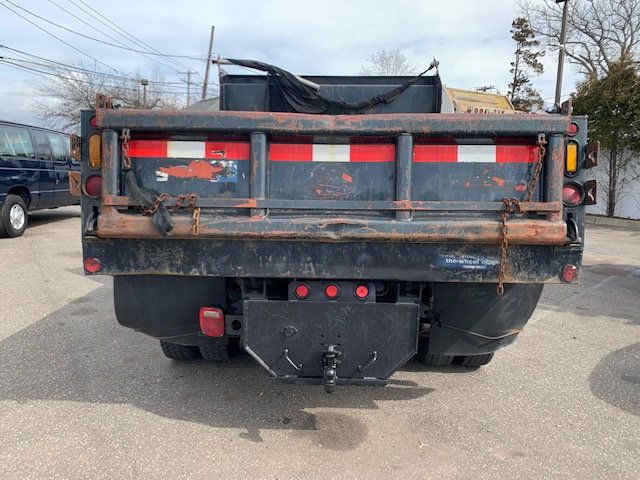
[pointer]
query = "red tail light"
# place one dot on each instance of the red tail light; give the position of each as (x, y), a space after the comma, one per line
(572, 194)
(361, 292)
(92, 265)
(332, 291)
(569, 273)
(302, 291)
(93, 186)
(573, 129)
(212, 321)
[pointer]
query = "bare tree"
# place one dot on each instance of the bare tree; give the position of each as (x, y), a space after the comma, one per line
(387, 63)
(73, 89)
(600, 34)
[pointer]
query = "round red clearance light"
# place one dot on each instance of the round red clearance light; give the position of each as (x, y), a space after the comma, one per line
(572, 194)
(93, 186)
(362, 292)
(332, 291)
(569, 273)
(301, 291)
(92, 265)
(573, 129)
(93, 121)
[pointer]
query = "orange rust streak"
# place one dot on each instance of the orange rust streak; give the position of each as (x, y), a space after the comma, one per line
(499, 181)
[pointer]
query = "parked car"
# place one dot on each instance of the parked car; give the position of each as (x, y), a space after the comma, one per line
(34, 174)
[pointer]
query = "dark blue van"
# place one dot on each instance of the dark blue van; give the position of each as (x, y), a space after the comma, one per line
(34, 174)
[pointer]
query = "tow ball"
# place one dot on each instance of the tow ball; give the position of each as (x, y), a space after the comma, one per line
(330, 362)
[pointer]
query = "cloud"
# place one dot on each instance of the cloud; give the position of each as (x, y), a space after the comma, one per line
(470, 38)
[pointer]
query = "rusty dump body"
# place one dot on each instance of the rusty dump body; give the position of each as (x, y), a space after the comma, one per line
(234, 209)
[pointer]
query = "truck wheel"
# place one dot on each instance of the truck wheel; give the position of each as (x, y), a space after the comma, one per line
(13, 217)
(428, 360)
(180, 353)
(473, 361)
(436, 360)
(215, 353)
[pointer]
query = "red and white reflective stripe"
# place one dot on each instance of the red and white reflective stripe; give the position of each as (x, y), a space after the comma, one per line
(475, 153)
(187, 149)
(321, 152)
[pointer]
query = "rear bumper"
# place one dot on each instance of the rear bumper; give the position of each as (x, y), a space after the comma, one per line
(115, 224)
(403, 261)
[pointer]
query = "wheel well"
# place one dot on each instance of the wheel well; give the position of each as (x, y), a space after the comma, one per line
(22, 192)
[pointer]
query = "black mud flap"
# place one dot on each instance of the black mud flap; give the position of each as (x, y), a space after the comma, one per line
(330, 343)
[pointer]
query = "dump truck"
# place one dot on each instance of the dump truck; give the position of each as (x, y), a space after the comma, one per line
(333, 227)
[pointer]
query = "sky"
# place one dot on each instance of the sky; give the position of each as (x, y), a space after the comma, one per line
(469, 38)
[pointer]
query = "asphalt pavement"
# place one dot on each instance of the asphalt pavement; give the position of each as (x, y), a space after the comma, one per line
(82, 397)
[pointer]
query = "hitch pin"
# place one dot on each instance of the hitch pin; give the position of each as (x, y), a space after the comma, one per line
(286, 355)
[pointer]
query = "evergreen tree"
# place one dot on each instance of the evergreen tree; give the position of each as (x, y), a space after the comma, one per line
(526, 63)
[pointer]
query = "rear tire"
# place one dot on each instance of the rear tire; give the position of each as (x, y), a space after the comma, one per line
(429, 360)
(473, 361)
(180, 353)
(13, 216)
(216, 353)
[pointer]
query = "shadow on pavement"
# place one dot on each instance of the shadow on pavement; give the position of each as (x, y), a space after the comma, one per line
(616, 379)
(43, 217)
(79, 353)
(608, 287)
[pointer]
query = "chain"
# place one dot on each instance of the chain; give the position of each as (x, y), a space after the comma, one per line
(195, 228)
(512, 206)
(125, 137)
(156, 205)
(542, 151)
(190, 201)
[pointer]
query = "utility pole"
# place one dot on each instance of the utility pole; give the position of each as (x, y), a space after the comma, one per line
(144, 82)
(188, 74)
(206, 70)
(563, 39)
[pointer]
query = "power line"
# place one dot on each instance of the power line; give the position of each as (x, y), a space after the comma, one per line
(56, 37)
(59, 65)
(158, 61)
(117, 29)
(88, 37)
(42, 73)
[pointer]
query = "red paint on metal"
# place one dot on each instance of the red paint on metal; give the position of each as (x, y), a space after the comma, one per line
(291, 152)
(435, 153)
(196, 169)
(385, 152)
(148, 148)
(516, 153)
(227, 150)
(347, 178)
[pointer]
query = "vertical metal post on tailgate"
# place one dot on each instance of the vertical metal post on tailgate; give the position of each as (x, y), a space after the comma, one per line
(404, 162)
(258, 170)
(555, 173)
(110, 163)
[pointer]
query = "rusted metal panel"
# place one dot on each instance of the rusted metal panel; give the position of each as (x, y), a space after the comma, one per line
(404, 166)
(555, 172)
(387, 125)
(338, 205)
(114, 224)
(110, 163)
